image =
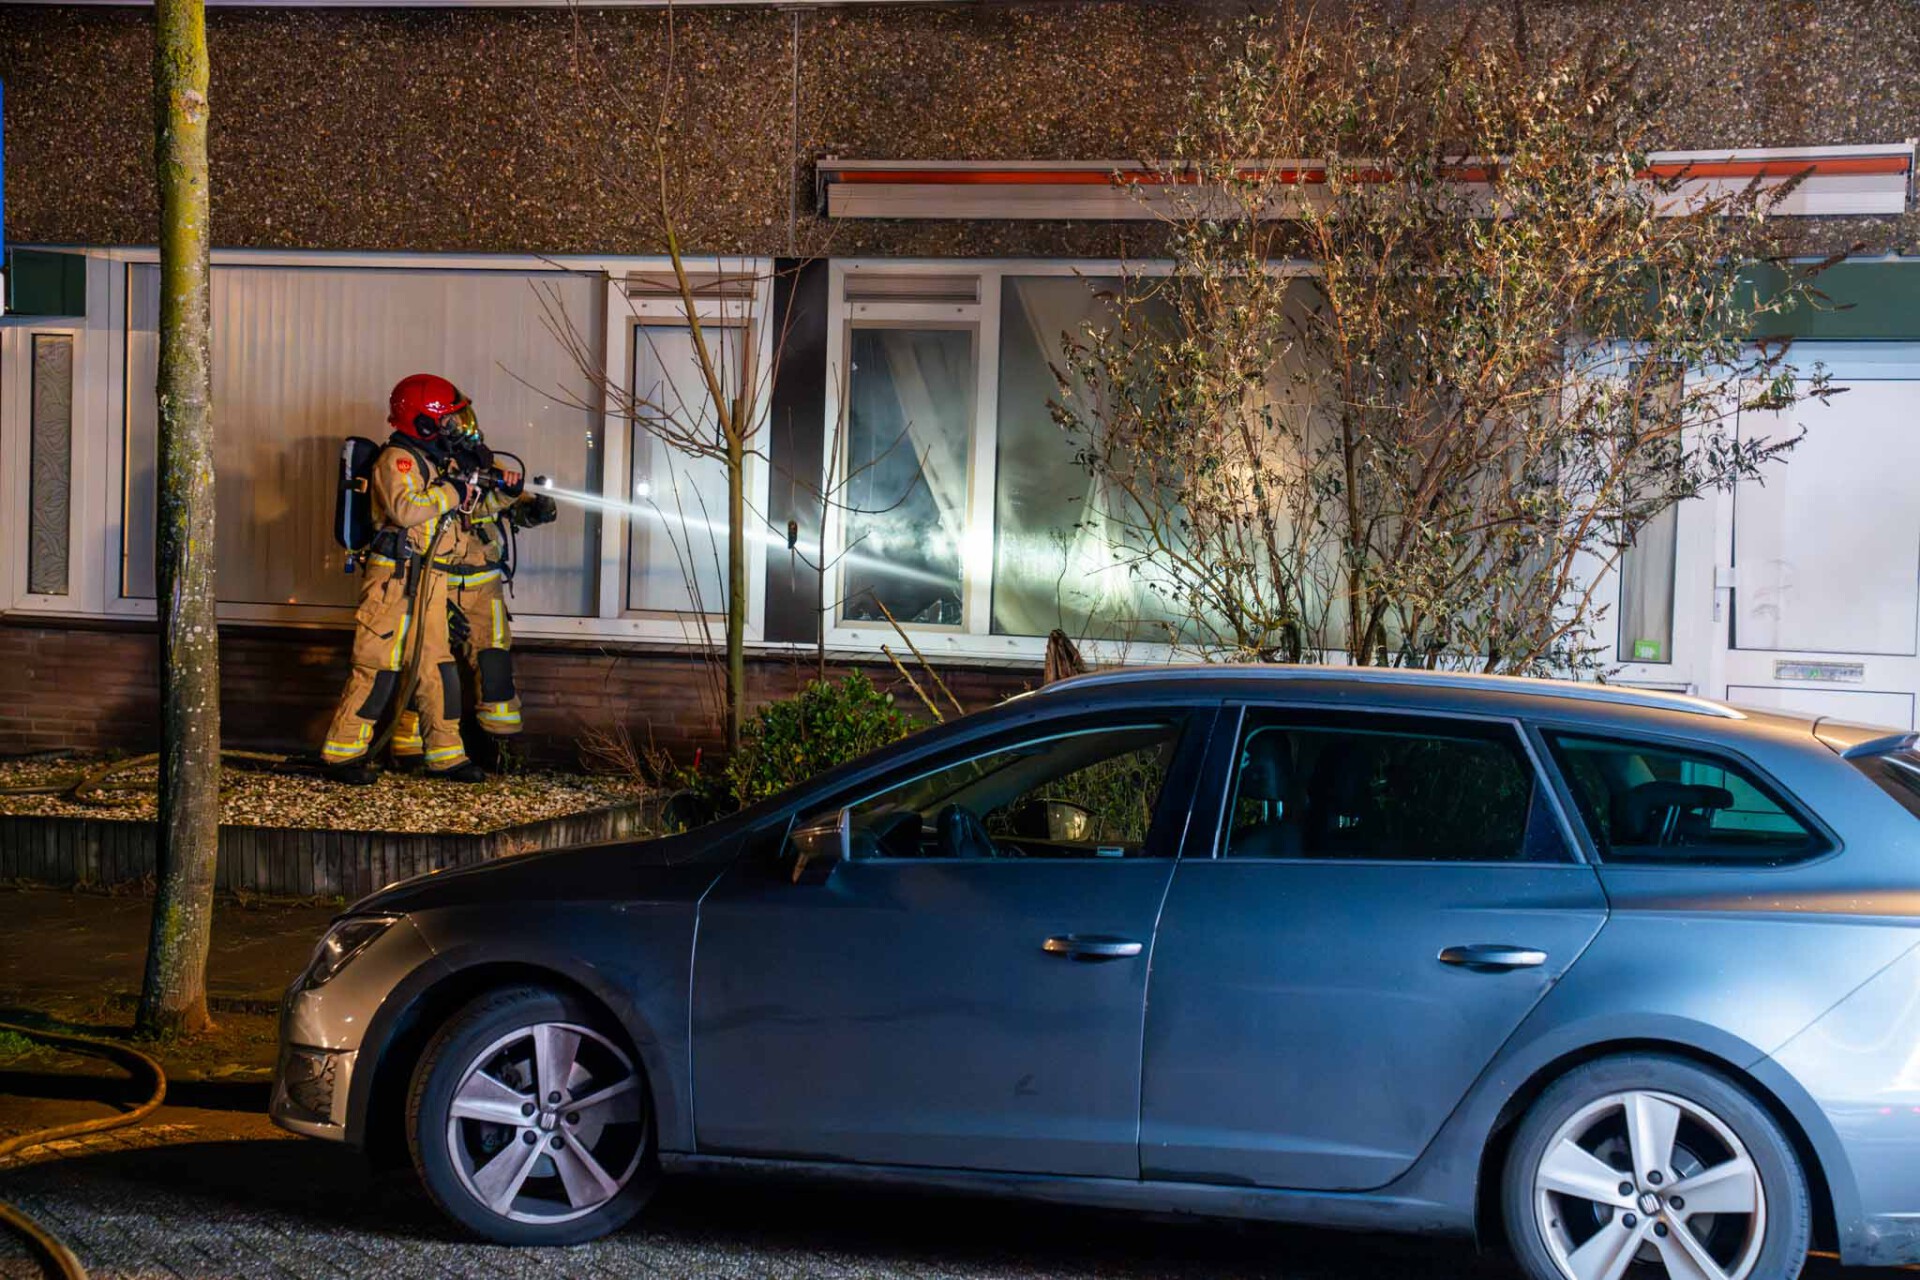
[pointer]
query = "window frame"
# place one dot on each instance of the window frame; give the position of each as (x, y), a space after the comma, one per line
(1623, 645)
(976, 580)
(1762, 779)
(1198, 722)
(625, 319)
(974, 638)
(1223, 782)
(90, 549)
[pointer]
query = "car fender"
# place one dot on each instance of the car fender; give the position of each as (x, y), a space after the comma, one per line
(1555, 1039)
(635, 959)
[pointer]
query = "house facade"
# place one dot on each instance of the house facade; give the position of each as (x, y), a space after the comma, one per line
(894, 209)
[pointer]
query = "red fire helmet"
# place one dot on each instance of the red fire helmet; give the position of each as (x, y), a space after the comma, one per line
(422, 403)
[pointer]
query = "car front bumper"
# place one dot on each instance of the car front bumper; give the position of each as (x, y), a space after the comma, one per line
(321, 1030)
(310, 1091)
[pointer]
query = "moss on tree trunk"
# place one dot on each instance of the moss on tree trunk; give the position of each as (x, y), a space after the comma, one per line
(173, 996)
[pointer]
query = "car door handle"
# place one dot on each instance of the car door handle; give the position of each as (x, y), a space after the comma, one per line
(1493, 957)
(1091, 946)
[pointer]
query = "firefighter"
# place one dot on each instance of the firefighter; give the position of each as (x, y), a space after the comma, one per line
(478, 572)
(416, 499)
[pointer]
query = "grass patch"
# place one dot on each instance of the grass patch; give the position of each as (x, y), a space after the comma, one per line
(15, 1047)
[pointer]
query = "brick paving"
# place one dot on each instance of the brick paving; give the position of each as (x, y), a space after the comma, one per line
(207, 1195)
(203, 1194)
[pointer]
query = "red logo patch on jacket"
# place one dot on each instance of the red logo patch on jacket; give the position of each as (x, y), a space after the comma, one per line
(403, 464)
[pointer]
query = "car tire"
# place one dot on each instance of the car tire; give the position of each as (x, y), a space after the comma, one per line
(530, 1122)
(1575, 1201)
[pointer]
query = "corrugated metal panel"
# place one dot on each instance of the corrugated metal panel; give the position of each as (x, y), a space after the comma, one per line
(304, 356)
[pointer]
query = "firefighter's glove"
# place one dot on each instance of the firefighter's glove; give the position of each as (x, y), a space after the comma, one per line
(536, 510)
(510, 482)
(458, 632)
(464, 492)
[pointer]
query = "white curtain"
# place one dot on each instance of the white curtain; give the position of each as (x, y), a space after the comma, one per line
(937, 424)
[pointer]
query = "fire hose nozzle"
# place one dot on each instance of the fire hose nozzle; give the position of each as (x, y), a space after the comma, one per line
(541, 482)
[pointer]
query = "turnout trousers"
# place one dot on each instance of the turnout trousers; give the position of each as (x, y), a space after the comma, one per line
(381, 644)
(479, 597)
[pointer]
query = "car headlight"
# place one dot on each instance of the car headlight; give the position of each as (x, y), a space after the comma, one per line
(345, 940)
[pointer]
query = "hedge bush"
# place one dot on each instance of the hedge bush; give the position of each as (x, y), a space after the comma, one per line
(825, 724)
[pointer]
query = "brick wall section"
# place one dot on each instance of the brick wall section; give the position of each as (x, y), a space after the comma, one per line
(95, 688)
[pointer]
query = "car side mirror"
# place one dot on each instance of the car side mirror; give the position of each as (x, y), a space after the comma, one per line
(1058, 821)
(820, 846)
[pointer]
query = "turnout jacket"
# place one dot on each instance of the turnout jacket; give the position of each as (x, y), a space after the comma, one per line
(410, 491)
(481, 544)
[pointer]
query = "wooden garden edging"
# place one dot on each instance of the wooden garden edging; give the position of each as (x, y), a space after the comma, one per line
(288, 861)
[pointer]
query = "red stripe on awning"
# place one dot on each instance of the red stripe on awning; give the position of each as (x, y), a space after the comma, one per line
(1832, 166)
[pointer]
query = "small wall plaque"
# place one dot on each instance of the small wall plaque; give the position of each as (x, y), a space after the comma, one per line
(1835, 672)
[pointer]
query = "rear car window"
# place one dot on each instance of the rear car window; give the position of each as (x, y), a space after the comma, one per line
(1895, 772)
(1385, 788)
(1658, 804)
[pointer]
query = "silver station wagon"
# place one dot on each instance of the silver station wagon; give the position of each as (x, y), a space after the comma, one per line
(1627, 979)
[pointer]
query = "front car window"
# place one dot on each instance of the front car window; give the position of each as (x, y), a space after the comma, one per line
(1395, 788)
(1089, 793)
(1647, 803)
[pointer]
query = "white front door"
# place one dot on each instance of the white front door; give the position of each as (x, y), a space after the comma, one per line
(1815, 598)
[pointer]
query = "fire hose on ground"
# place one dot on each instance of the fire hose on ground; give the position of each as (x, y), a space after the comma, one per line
(58, 1259)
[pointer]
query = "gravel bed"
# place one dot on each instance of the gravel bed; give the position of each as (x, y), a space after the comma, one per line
(255, 797)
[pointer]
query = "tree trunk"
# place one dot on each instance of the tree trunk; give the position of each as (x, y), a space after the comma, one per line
(173, 996)
(736, 582)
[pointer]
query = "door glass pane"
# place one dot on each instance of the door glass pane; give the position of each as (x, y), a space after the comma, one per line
(677, 538)
(1826, 544)
(1646, 591)
(50, 476)
(909, 432)
(1647, 565)
(1446, 792)
(1655, 804)
(306, 356)
(1090, 794)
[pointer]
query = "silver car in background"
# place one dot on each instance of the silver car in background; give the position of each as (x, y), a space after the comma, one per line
(1627, 979)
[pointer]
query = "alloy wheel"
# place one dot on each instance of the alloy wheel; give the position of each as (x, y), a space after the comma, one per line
(548, 1123)
(1644, 1183)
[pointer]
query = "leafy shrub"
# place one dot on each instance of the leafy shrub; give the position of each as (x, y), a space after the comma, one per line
(823, 725)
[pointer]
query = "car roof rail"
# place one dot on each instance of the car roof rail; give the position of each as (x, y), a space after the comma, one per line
(1533, 686)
